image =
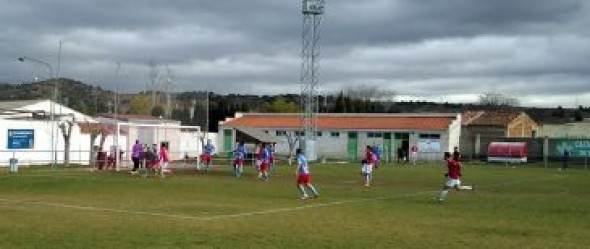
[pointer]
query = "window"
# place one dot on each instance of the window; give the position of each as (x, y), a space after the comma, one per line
(374, 134)
(300, 133)
(266, 132)
(402, 136)
(334, 134)
(429, 136)
(318, 134)
(281, 133)
(387, 135)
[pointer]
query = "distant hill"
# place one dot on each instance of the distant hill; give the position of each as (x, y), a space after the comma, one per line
(85, 98)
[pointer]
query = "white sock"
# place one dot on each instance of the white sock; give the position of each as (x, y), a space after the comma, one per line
(315, 192)
(302, 190)
(443, 195)
(465, 188)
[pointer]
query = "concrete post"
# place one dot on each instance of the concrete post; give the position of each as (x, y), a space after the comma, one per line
(546, 151)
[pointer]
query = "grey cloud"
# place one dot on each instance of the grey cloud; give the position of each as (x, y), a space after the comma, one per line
(429, 47)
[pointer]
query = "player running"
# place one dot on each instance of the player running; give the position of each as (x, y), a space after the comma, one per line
(303, 177)
(208, 152)
(453, 177)
(264, 157)
(368, 164)
(239, 156)
(271, 159)
(367, 172)
(164, 160)
(378, 154)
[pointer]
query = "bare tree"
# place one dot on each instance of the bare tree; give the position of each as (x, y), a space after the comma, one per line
(292, 141)
(95, 130)
(66, 131)
(369, 92)
(497, 100)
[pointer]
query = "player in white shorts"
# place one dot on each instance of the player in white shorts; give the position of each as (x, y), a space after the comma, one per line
(367, 172)
(453, 177)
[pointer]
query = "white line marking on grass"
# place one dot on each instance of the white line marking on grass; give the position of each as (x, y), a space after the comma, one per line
(238, 215)
(90, 208)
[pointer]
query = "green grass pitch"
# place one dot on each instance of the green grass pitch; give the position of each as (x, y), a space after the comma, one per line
(511, 208)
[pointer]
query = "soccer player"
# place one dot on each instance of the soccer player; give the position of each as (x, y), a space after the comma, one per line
(414, 154)
(367, 172)
(264, 155)
(135, 156)
(453, 177)
(566, 157)
(208, 151)
(378, 153)
(155, 159)
(148, 155)
(271, 159)
(400, 155)
(303, 177)
(370, 156)
(239, 156)
(164, 160)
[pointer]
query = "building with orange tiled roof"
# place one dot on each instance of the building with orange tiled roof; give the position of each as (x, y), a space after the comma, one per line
(346, 135)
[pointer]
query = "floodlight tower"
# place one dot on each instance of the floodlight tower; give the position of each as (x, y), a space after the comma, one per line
(312, 16)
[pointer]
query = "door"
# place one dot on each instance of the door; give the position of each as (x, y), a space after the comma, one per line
(352, 146)
(228, 142)
(402, 140)
(387, 151)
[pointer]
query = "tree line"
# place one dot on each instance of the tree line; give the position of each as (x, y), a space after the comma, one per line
(191, 107)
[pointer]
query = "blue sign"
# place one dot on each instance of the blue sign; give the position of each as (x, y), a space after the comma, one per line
(21, 139)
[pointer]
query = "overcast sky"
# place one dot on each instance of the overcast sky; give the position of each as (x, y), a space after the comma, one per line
(440, 50)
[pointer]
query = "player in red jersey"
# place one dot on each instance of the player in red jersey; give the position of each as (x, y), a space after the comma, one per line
(453, 177)
(368, 165)
(370, 155)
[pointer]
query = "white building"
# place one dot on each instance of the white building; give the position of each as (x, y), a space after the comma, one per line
(344, 136)
(182, 140)
(29, 133)
(566, 130)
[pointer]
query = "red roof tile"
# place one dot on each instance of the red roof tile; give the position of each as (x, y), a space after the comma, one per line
(347, 122)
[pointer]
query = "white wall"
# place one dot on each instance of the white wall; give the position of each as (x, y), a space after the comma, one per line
(41, 152)
(190, 144)
(454, 134)
(332, 147)
(570, 130)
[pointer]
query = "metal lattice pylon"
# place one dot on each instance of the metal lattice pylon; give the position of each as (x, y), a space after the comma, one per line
(310, 55)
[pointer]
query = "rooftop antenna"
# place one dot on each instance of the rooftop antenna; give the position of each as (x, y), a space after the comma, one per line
(169, 82)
